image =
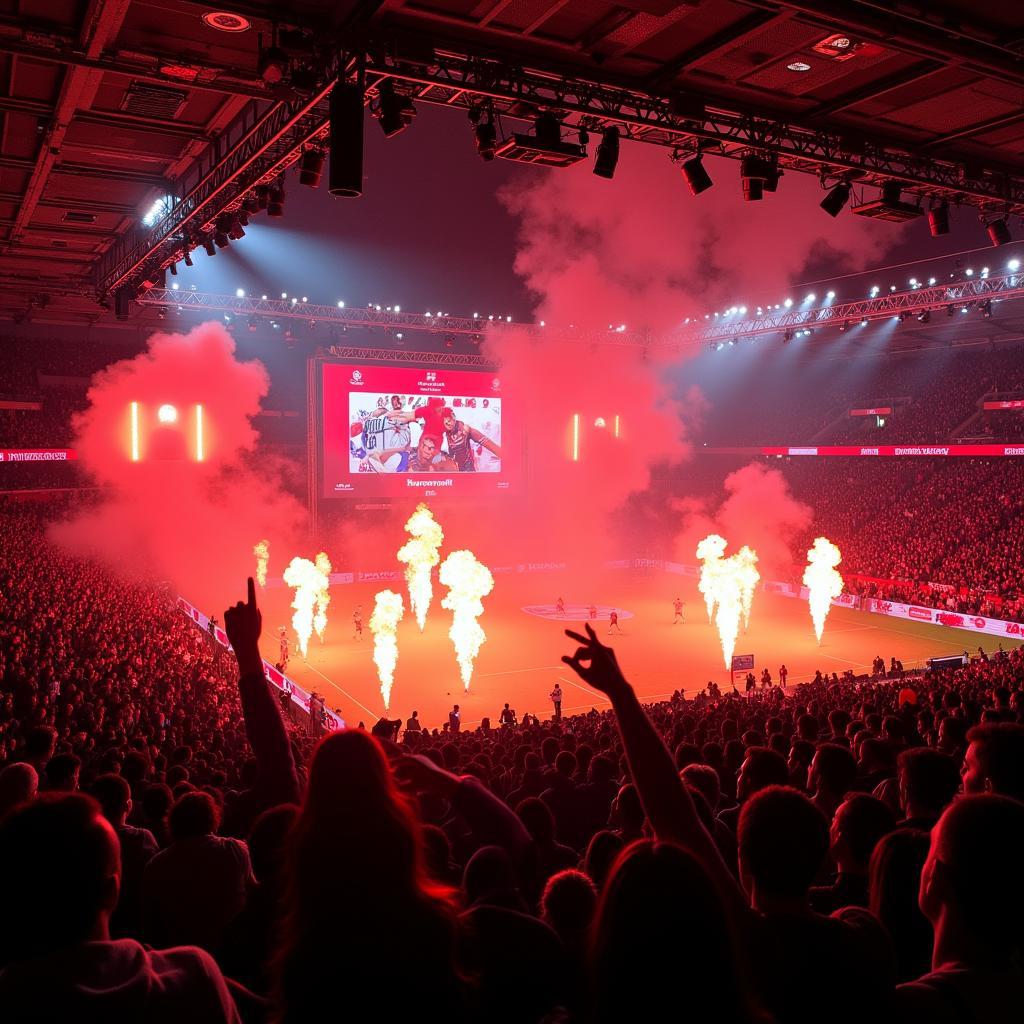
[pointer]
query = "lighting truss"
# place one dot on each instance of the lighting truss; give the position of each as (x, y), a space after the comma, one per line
(453, 75)
(883, 307)
(371, 317)
(938, 298)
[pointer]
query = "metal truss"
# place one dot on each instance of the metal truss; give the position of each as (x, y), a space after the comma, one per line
(375, 317)
(390, 355)
(452, 75)
(457, 78)
(264, 150)
(938, 299)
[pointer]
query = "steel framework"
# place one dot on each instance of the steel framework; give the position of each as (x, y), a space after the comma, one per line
(452, 75)
(937, 298)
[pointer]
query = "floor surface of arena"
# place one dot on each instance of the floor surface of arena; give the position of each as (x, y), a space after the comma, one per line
(520, 661)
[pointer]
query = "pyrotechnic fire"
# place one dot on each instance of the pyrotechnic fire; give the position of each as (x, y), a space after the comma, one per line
(262, 553)
(749, 577)
(420, 556)
(323, 596)
(468, 580)
(710, 551)
(387, 613)
(729, 600)
(822, 580)
(309, 583)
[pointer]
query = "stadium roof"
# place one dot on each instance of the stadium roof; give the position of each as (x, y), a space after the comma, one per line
(109, 105)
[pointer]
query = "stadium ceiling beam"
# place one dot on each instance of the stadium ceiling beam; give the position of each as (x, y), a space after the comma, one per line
(452, 75)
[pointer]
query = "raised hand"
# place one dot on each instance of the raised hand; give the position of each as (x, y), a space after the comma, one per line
(419, 774)
(243, 624)
(595, 663)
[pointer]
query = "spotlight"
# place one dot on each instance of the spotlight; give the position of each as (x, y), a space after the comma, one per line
(836, 199)
(211, 249)
(394, 111)
(607, 154)
(695, 175)
(272, 65)
(262, 197)
(999, 231)
(924, 316)
(251, 204)
(242, 216)
(236, 231)
(223, 226)
(174, 269)
(986, 308)
(788, 336)
(275, 202)
(187, 258)
(938, 220)
(311, 167)
(754, 173)
(950, 311)
(485, 132)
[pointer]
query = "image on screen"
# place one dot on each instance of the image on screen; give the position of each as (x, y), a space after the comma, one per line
(391, 429)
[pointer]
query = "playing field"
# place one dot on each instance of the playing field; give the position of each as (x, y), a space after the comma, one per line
(520, 662)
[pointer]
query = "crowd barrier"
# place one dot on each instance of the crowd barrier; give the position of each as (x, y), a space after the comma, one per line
(274, 676)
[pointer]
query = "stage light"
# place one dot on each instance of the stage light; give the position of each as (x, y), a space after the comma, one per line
(754, 172)
(199, 433)
(830, 296)
(187, 258)
(311, 167)
(695, 175)
(341, 305)
(950, 311)
(222, 226)
(1013, 265)
(999, 231)
(394, 111)
(575, 437)
(607, 154)
(836, 199)
(262, 197)
(484, 131)
(135, 431)
(251, 204)
(173, 267)
(174, 287)
(788, 303)
(273, 63)
(986, 308)
(211, 249)
(167, 413)
(275, 202)
(924, 316)
(938, 220)
(969, 272)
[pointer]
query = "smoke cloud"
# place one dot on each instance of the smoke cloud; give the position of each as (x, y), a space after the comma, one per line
(193, 523)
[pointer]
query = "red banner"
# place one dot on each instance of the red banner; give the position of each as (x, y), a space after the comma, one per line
(882, 410)
(1017, 403)
(38, 454)
(889, 450)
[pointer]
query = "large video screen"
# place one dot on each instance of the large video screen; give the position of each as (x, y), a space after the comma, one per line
(390, 430)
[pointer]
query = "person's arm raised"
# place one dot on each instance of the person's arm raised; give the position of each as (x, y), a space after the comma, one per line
(264, 727)
(665, 799)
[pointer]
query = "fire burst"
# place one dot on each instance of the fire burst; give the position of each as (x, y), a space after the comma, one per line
(823, 581)
(262, 553)
(420, 556)
(710, 551)
(388, 610)
(323, 596)
(468, 580)
(309, 583)
(749, 577)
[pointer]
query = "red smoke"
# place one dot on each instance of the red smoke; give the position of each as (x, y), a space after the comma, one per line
(641, 250)
(192, 522)
(758, 510)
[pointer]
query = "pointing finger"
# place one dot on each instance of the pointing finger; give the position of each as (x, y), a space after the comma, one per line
(252, 593)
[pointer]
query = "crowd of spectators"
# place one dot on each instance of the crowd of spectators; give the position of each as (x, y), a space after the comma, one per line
(171, 850)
